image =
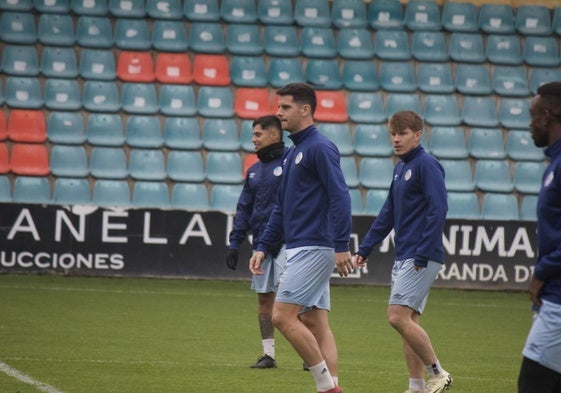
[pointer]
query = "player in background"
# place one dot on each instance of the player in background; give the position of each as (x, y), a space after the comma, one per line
(254, 207)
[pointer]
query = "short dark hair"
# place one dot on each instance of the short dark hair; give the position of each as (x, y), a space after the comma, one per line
(301, 93)
(405, 119)
(550, 98)
(269, 122)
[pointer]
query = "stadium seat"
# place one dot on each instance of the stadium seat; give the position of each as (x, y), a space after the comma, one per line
(251, 102)
(510, 81)
(281, 41)
(52, 6)
(400, 101)
(503, 207)
(312, 13)
(201, 10)
(164, 9)
(520, 147)
(448, 142)
(357, 204)
(398, 77)
(32, 189)
(5, 189)
(374, 201)
(177, 100)
(144, 132)
(127, 9)
(105, 129)
(248, 71)
(473, 79)
(392, 45)
(94, 32)
(132, 34)
(493, 176)
(139, 98)
(182, 133)
(16, 5)
(496, 18)
(466, 48)
(442, 110)
(66, 128)
(29, 159)
(533, 20)
(541, 51)
(541, 75)
(340, 134)
(3, 126)
(275, 12)
(460, 17)
(4, 158)
(323, 74)
(386, 14)
(56, 30)
(186, 166)
(360, 75)
(349, 14)
(246, 135)
(69, 161)
(503, 49)
(486, 143)
(422, 15)
(458, 175)
(224, 197)
(224, 167)
(366, 107)
(206, 38)
(528, 176)
(376, 172)
(89, 7)
(556, 22)
(318, 42)
(27, 126)
(238, 11)
(18, 28)
(463, 206)
(190, 196)
(372, 140)
(173, 68)
(248, 161)
(220, 135)
(331, 106)
(528, 208)
(108, 163)
(147, 164)
(429, 46)
(97, 64)
(72, 191)
(435, 78)
(242, 39)
(62, 94)
(479, 111)
(213, 101)
(23, 92)
(59, 63)
(20, 60)
(169, 36)
(111, 193)
(211, 70)
(135, 66)
(150, 194)
(100, 96)
(514, 113)
(355, 44)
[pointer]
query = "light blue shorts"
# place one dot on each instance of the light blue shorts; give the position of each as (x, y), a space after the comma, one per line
(543, 344)
(273, 268)
(305, 280)
(410, 287)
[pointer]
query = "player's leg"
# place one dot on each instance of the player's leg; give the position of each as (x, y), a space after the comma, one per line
(535, 378)
(415, 365)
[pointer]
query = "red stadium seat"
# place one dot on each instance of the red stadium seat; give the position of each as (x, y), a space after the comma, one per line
(135, 67)
(4, 159)
(30, 159)
(250, 103)
(331, 106)
(3, 129)
(212, 70)
(27, 125)
(173, 68)
(249, 160)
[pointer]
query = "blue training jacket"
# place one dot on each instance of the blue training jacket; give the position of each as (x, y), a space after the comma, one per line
(256, 200)
(416, 208)
(313, 207)
(548, 265)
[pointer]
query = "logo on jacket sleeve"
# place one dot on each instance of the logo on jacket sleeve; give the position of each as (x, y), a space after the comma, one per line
(298, 158)
(277, 171)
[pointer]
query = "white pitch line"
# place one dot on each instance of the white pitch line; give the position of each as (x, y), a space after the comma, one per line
(12, 372)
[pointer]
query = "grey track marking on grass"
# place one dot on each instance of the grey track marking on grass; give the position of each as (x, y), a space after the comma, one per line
(12, 372)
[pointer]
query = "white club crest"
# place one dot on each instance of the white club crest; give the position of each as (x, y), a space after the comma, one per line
(277, 171)
(407, 175)
(548, 179)
(298, 158)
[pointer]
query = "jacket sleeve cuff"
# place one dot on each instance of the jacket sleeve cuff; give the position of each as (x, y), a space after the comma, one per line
(421, 262)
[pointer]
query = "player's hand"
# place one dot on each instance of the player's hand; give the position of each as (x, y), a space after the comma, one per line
(360, 261)
(344, 263)
(232, 259)
(535, 291)
(256, 261)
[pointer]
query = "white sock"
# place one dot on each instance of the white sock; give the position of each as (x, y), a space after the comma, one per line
(417, 384)
(434, 369)
(335, 380)
(322, 376)
(269, 347)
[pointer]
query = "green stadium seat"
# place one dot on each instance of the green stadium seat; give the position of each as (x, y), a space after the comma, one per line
(496, 18)
(514, 113)
(281, 41)
(323, 74)
(23, 92)
(186, 166)
(139, 98)
(132, 34)
(164, 9)
(459, 176)
(366, 107)
(215, 101)
(62, 94)
(360, 75)
(5, 189)
(392, 45)
(533, 20)
(56, 30)
(473, 79)
(238, 11)
(89, 7)
(224, 167)
(150, 194)
(340, 134)
(357, 204)
(147, 164)
(108, 163)
(312, 13)
(69, 161)
(127, 9)
(429, 46)
(350, 171)
(376, 172)
(206, 38)
(400, 101)
(318, 42)
(466, 48)
(16, 5)
(463, 206)
(144, 131)
(182, 133)
(386, 14)
(479, 111)
(111, 193)
(248, 71)
(18, 28)
(244, 39)
(169, 36)
(541, 51)
(541, 75)
(220, 135)
(20, 60)
(448, 142)
(275, 12)
(372, 140)
(502, 207)
(94, 32)
(493, 176)
(66, 128)
(503, 49)
(486, 143)
(59, 63)
(520, 147)
(283, 71)
(177, 100)
(422, 15)
(528, 208)
(201, 10)
(190, 196)
(72, 191)
(398, 77)
(355, 44)
(105, 129)
(349, 14)
(374, 202)
(97, 64)
(460, 17)
(50, 6)
(32, 189)
(510, 81)
(435, 78)
(224, 197)
(101, 96)
(528, 176)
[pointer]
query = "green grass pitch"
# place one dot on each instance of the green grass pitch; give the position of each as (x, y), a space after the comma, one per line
(112, 335)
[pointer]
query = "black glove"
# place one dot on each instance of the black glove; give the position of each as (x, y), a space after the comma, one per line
(232, 259)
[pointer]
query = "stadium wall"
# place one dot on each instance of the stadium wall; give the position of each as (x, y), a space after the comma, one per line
(89, 240)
